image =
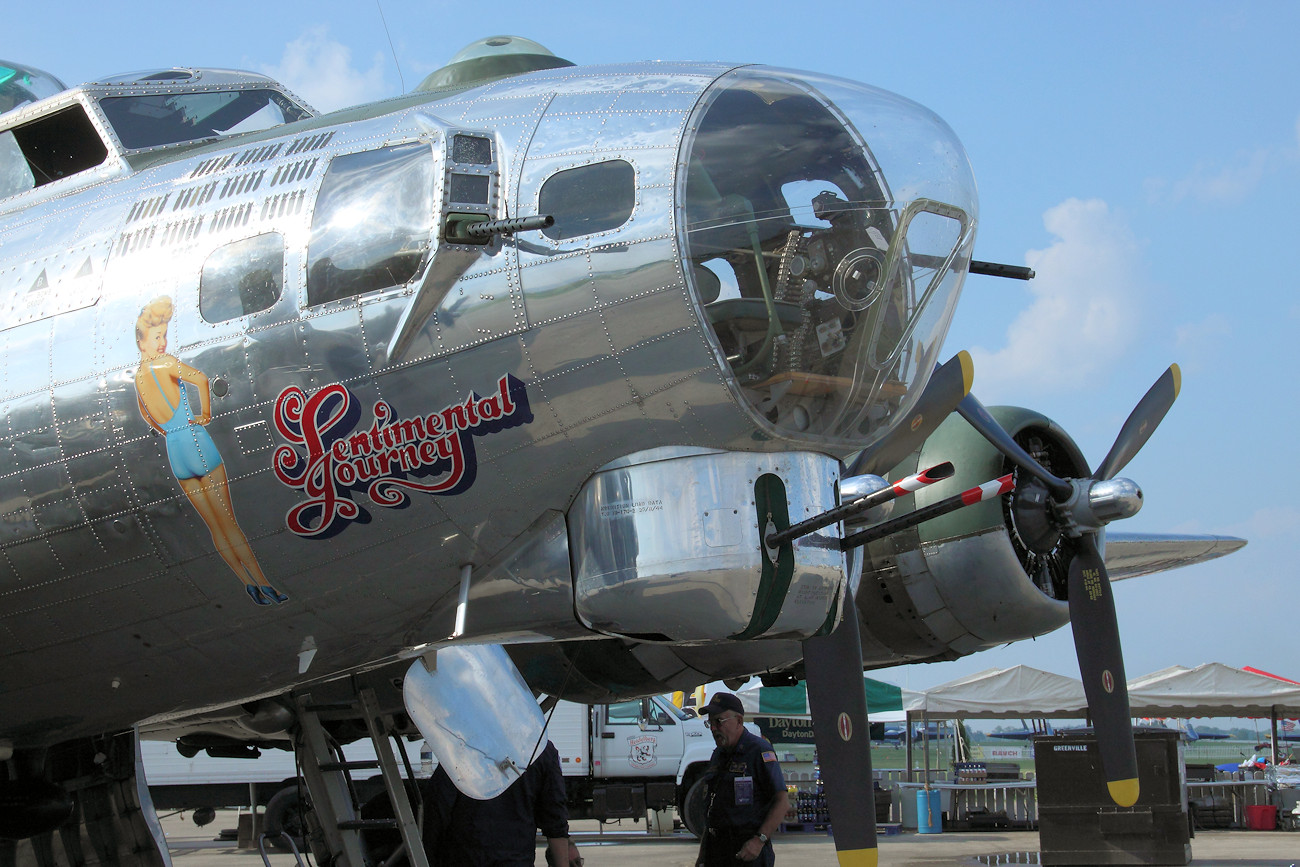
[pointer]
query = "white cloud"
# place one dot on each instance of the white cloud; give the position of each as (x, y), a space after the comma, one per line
(1212, 328)
(1224, 185)
(1084, 314)
(320, 70)
(1230, 183)
(1270, 523)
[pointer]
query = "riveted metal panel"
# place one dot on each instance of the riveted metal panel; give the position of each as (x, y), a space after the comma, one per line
(332, 346)
(80, 419)
(663, 362)
(27, 363)
(647, 316)
(558, 286)
(98, 483)
(641, 534)
(644, 266)
(277, 358)
(482, 306)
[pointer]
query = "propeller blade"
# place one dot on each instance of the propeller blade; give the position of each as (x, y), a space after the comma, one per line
(950, 382)
(837, 701)
(1101, 665)
(979, 418)
(1142, 422)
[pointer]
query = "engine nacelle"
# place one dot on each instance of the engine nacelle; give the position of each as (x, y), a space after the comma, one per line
(966, 581)
(667, 545)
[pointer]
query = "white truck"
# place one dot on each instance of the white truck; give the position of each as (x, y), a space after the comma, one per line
(619, 761)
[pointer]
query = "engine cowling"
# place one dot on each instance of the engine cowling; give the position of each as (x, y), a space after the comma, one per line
(967, 581)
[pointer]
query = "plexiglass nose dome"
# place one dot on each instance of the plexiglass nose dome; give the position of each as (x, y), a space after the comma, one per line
(827, 228)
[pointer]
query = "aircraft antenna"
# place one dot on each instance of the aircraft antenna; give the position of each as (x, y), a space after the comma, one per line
(400, 78)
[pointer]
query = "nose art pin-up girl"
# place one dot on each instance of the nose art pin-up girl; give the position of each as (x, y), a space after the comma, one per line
(164, 399)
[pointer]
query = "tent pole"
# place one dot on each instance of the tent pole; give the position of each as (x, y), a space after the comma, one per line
(907, 739)
(925, 745)
(1272, 711)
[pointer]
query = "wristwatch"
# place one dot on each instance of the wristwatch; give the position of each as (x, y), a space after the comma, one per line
(763, 838)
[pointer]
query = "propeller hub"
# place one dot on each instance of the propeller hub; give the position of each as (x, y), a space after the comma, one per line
(1114, 499)
(1095, 503)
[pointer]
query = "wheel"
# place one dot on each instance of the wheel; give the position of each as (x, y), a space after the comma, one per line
(284, 813)
(695, 807)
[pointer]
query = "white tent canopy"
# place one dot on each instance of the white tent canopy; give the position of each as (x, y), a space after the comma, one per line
(1212, 689)
(1209, 690)
(1019, 691)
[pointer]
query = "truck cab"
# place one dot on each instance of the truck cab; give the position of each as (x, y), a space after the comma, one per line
(622, 759)
(645, 737)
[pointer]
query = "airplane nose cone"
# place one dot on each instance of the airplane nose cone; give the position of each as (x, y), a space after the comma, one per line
(827, 231)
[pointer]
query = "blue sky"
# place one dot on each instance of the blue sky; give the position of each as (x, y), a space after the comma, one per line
(1143, 157)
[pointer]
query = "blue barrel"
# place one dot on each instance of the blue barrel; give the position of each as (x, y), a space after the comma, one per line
(929, 815)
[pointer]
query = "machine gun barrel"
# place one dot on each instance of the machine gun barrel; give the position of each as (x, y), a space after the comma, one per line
(488, 228)
(986, 491)
(996, 269)
(936, 473)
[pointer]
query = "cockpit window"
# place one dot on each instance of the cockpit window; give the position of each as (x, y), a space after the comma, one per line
(371, 228)
(827, 272)
(52, 147)
(242, 278)
(588, 199)
(155, 120)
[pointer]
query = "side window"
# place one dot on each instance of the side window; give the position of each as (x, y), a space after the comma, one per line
(624, 713)
(588, 199)
(15, 175)
(242, 278)
(659, 716)
(45, 150)
(372, 222)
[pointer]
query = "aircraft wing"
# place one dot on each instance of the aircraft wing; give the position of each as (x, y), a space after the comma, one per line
(1131, 554)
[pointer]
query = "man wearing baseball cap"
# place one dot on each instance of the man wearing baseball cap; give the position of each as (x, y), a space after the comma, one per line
(747, 797)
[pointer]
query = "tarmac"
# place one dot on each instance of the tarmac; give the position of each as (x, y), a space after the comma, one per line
(629, 845)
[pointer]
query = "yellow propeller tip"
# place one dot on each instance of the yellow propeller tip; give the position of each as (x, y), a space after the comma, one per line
(1123, 792)
(858, 858)
(1178, 378)
(967, 371)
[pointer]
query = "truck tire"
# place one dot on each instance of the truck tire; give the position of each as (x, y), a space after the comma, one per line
(695, 807)
(284, 813)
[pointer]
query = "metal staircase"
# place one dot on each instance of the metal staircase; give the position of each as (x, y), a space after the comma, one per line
(334, 795)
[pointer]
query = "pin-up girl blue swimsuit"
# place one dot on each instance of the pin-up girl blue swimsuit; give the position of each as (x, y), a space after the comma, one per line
(190, 448)
(193, 455)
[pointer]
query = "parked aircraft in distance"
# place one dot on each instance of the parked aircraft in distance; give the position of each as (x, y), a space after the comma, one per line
(585, 381)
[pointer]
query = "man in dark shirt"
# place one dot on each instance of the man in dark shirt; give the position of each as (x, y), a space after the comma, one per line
(460, 831)
(747, 796)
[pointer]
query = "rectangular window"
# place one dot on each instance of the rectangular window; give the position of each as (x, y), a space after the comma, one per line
(371, 227)
(588, 199)
(242, 278)
(48, 149)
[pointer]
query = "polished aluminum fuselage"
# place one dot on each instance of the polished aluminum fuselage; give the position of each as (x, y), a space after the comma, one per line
(108, 577)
